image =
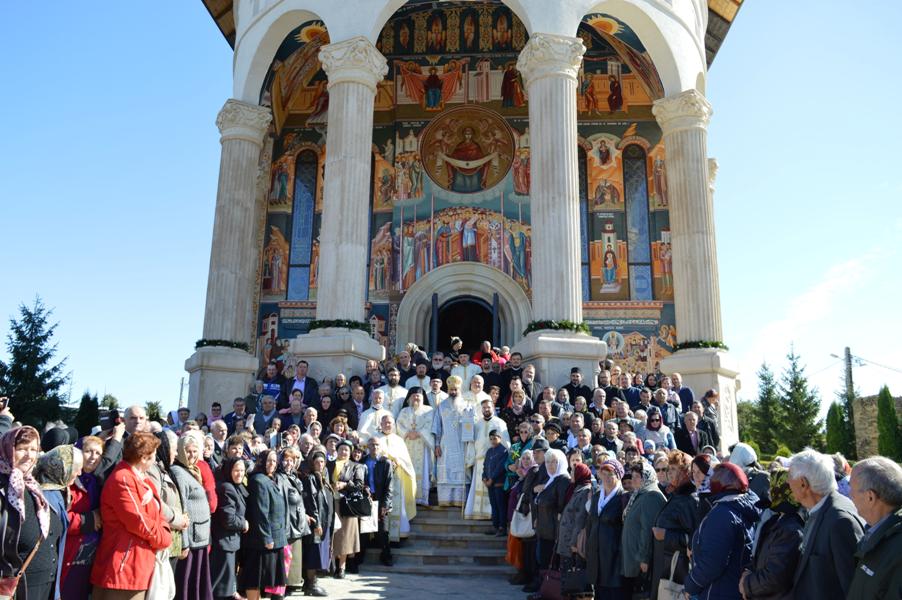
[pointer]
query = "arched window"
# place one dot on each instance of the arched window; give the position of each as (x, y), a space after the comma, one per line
(635, 185)
(584, 224)
(302, 226)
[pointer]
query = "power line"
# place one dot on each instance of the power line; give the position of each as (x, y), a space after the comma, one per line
(870, 362)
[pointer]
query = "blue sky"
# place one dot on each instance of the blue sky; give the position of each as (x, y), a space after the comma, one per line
(109, 161)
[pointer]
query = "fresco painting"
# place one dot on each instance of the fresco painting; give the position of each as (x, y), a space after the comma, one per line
(451, 171)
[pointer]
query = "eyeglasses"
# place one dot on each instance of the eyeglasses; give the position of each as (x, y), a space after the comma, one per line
(654, 420)
(534, 422)
(661, 470)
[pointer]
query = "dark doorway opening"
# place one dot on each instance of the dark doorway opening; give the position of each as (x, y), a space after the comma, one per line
(468, 318)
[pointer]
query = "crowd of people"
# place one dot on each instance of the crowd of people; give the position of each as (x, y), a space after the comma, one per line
(610, 486)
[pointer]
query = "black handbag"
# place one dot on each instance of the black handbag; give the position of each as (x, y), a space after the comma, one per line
(574, 577)
(355, 504)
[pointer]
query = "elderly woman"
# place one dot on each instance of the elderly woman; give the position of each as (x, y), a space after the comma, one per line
(676, 522)
(83, 534)
(347, 477)
(549, 501)
(293, 489)
(700, 471)
(656, 431)
(604, 529)
(56, 470)
(722, 545)
(267, 517)
(193, 569)
(133, 524)
(229, 523)
(639, 516)
(777, 551)
(573, 519)
(171, 506)
(319, 501)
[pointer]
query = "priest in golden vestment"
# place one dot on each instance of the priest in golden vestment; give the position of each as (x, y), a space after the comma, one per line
(404, 482)
(415, 428)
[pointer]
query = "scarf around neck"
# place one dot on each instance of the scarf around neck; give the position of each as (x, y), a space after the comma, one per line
(19, 482)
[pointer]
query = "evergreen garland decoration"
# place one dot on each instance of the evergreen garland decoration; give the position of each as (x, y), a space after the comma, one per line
(342, 323)
(557, 326)
(700, 344)
(203, 343)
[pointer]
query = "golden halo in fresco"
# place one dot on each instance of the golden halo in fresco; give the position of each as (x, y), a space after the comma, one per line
(605, 24)
(313, 31)
(467, 150)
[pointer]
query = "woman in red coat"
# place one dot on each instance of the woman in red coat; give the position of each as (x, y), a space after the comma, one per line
(133, 525)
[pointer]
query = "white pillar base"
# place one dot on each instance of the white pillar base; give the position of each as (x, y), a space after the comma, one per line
(554, 353)
(218, 374)
(709, 368)
(334, 350)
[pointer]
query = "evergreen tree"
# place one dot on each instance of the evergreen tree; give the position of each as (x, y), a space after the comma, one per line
(745, 417)
(109, 401)
(846, 405)
(800, 406)
(31, 379)
(888, 442)
(768, 426)
(837, 430)
(154, 411)
(88, 414)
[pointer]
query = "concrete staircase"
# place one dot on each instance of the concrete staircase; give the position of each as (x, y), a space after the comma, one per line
(442, 543)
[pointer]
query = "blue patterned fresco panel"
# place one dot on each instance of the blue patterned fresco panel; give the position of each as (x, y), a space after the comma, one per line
(299, 283)
(640, 282)
(635, 186)
(304, 203)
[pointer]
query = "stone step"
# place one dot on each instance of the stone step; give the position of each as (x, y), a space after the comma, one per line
(441, 570)
(426, 521)
(424, 554)
(458, 539)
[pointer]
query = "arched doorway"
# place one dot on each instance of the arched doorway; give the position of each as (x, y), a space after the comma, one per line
(469, 318)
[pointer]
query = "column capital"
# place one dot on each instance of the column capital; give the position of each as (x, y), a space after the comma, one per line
(548, 55)
(243, 121)
(686, 110)
(353, 61)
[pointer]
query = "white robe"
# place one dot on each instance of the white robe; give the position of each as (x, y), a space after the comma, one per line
(417, 382)
(478, 505)
(435, 399)
(421, 449)
(394, 398)
(450, 471)
(371, 423)
(466, 373)
(404, 486)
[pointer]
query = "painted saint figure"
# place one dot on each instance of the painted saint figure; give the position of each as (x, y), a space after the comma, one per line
(615, 97)
(610, 266)
(442, 253)
(512, 88)
(468, 172)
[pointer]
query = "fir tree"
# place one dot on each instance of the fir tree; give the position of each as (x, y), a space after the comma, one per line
(109, 401)
(800, 407)
(888, 442)
(88, 414)
(31, 379)
(154, 411)
(745, 416)
(768, 425)
(837, 430)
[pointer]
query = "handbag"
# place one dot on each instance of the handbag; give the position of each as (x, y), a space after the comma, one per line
(574, 577)
(669, 589)
(551, 585)
(162, 582)
(355, 504)
(8, 585)
(521, 525)
(370, 524)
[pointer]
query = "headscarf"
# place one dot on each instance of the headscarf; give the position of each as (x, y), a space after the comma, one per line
(614, 465)
(780, 494)
(164, 450)
(181, 457)
(53, 437)
(654, 411)
(743, 455)
(560, 463)
(705, 464)
(19, 482)
(648, 482)
(55, 468)
(581, 476)
(729, 478)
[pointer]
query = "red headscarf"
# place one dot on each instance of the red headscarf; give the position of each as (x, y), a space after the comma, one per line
(581, 476)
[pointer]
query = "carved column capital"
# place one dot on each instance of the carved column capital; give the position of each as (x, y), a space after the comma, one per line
(240, 120)
(686, 110)
(547, 55)
(353, 61)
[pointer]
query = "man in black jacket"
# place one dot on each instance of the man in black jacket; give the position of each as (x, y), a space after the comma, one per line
(690, 439)
(378, 481)
(576, 387)
(307, 385)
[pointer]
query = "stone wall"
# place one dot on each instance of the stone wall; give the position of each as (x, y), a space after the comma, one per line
(865, 417)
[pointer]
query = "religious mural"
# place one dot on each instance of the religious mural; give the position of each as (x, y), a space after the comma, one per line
(451, 172)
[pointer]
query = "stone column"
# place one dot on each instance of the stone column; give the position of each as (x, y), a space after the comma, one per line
(354, 68)
(218, 372)
(550, 64)
(684, 121)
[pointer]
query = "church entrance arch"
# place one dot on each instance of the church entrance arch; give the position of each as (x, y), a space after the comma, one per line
(470, 281)
(471, 319)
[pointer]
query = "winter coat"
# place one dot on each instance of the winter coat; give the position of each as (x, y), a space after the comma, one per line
(722, 547)
(679, 519)
(604, 532)
(319, 502)
(228, 520)
(294, 504)
(637, 524)
(172, 510)
(776, 558)
(573, 519)
(194, 500)
(133, 531)
(266, 513)
(827, 563)
(548, 506)
(879, 572)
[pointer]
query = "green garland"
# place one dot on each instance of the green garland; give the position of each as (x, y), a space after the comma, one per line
(342, 323)
(700, 344)
(202, 343)
(556, 326)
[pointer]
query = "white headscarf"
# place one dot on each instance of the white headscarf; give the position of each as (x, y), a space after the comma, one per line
(560, 461)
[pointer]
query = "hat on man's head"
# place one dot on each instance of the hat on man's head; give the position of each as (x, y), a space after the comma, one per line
(554, 427)
(540, 444)
(421, 361)
(345, 443)
(576, 370)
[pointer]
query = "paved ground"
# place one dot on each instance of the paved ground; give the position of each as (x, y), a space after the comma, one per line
(376, 586)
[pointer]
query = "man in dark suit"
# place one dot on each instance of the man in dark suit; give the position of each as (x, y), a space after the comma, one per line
(308, 386)
(239, 412)
(576, 387)
(690, 439)
(531, 386)
(706, 424)
(378, 482)
(219, 431)
(831, 534)
(295, 414)
(355, 406)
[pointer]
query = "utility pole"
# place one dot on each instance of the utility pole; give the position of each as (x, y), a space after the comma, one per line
(850, 389)
(182, 384)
